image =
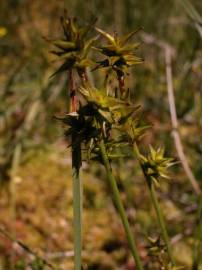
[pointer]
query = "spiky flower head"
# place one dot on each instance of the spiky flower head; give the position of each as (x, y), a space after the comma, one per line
(112, 109)
(155, 246)
(132, 129)
(74, 47)
(120, 55)
(79, 127)
(155, 165)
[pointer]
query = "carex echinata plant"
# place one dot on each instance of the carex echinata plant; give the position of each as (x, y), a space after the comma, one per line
(154, 167)
(99, 121)
(72, 50)
(120, 56)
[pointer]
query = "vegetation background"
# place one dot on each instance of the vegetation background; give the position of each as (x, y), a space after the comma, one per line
(35, 175)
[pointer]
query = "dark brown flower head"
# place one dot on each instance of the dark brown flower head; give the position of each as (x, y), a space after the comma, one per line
(74, 47)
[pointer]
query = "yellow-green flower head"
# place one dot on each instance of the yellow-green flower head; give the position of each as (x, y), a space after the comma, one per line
(155, 165)
(155, 246)
(114, 110)
(120, 54)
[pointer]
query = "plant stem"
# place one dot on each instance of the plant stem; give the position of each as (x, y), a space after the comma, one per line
(157, 208)
(77, 185)
(14, 168)
(72, 94)
(119, 205)
(161, 221)
(77, 204)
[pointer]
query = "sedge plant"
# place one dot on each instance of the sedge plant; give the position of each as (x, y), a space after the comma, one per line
(154, 167)
(102, 124)
(92, 120)
(73, 49)
(119, 57)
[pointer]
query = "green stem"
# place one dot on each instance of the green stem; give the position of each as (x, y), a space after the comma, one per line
(161, 222)
(119, 205)
(157, 209)
(77, 205)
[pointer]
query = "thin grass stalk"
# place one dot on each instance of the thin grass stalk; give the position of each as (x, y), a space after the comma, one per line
(26, 249)
(193, 14)
(77, 184)
(119, 205)
(158, 210)
(77, 206)
(14, 168)
(190, 9)
(174, 121)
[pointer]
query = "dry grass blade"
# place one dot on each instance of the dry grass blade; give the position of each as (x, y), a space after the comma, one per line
(193, 14)
(26, 248)
(174, 121)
